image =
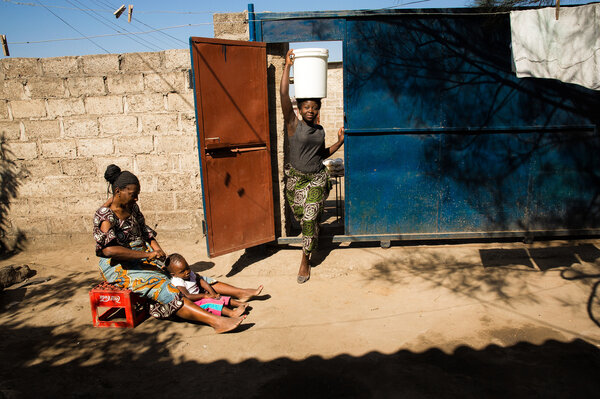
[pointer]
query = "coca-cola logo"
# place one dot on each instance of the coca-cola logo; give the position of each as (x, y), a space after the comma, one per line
(110, 298)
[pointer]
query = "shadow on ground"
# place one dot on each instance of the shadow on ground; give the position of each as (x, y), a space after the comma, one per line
(38, 362)
(250, 256)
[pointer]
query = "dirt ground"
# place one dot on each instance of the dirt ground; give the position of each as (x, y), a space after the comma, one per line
(490, 320)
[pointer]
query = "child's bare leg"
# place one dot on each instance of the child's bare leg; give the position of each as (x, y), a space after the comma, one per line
(191, 311)
(242, 294)
(237, 312)
(235, 304)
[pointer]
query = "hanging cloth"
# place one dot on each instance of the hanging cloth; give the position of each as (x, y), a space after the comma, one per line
(567, 49)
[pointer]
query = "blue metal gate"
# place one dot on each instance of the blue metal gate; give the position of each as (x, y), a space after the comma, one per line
(442, 139)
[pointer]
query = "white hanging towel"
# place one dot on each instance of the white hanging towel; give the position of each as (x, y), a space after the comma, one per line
(567, 49)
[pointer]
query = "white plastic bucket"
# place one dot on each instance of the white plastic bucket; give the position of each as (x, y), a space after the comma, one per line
(310, 72)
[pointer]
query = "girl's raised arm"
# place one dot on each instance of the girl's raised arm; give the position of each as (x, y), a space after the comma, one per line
(289, 116)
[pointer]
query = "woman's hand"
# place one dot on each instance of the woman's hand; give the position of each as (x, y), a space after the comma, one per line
(341, 135)
(289, 57)
(160, 254)
(156, 248)
(152, 255)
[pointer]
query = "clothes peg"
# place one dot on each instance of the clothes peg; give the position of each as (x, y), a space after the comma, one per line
(130, 12)
(119, 11)
(557, 8)
(4, 45)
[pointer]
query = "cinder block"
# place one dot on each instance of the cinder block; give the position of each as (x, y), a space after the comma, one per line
(77, 224)
(118, 124)
(233, 26)
(159, 122)
(125, 83)
(183, 102)
(79, 167)
(188, 123)
(188, 200)
(93, 147)
(177, 59)
(173, 181)
(46, 87)
(41, 130)
(101, 64)
(123, 162)
(38, 206)
(85, 204)
(156, 202)
(21, 67)
(92, 186)
(41, 168)
(189, 162)
(10, 130)
(86, 86)
(3, 109)
(13, 89)
(81, 127)
(152, 164)
(134, 145)
(175, 144)
(168, 82)
(172, 221)
(28, 109)
(65, 107)
(147, 182)
(19, 207)
(31, 226)
(104, 105)
(59, 149)
(50, 206)
(141, 62)
(20, 150)
(60, 66)
(145, 103)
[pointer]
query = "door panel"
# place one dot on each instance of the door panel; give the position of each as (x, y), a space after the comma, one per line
(233, 79)
(230, 88)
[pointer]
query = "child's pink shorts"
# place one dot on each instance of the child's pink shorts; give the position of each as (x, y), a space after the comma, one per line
(214, 306)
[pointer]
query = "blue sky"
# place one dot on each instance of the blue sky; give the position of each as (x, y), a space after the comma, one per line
(25, 22)
(28, 21)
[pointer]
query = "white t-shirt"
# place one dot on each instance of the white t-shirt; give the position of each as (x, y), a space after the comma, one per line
(190, 285)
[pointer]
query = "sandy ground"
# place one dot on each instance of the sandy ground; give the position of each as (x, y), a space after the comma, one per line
(422, 321)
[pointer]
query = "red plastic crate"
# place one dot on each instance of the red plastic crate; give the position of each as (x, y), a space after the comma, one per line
(121, 302)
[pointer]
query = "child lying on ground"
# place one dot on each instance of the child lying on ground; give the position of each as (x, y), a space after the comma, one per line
(206, 292)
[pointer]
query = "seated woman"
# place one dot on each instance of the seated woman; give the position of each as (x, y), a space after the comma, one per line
(128, 252)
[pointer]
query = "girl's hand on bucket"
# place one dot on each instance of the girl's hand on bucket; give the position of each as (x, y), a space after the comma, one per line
(289, 57)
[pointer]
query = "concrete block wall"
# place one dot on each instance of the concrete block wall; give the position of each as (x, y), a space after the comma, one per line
(332, 107)
(63, 120)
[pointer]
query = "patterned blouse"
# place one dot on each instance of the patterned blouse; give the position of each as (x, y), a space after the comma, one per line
(122, 232)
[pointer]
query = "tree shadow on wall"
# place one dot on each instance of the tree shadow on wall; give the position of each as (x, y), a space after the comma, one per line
(10, 177)
(513, 154)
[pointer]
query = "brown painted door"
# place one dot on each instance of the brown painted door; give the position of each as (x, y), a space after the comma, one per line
(230, 85)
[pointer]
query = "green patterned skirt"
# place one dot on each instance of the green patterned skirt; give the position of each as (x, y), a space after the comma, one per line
(306, 194)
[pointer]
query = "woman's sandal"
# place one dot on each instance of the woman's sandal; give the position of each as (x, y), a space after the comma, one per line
(303, 279)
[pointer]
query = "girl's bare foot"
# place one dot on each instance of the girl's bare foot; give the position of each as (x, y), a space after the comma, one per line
(226, 324)
(240, 310)
(250, 293)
